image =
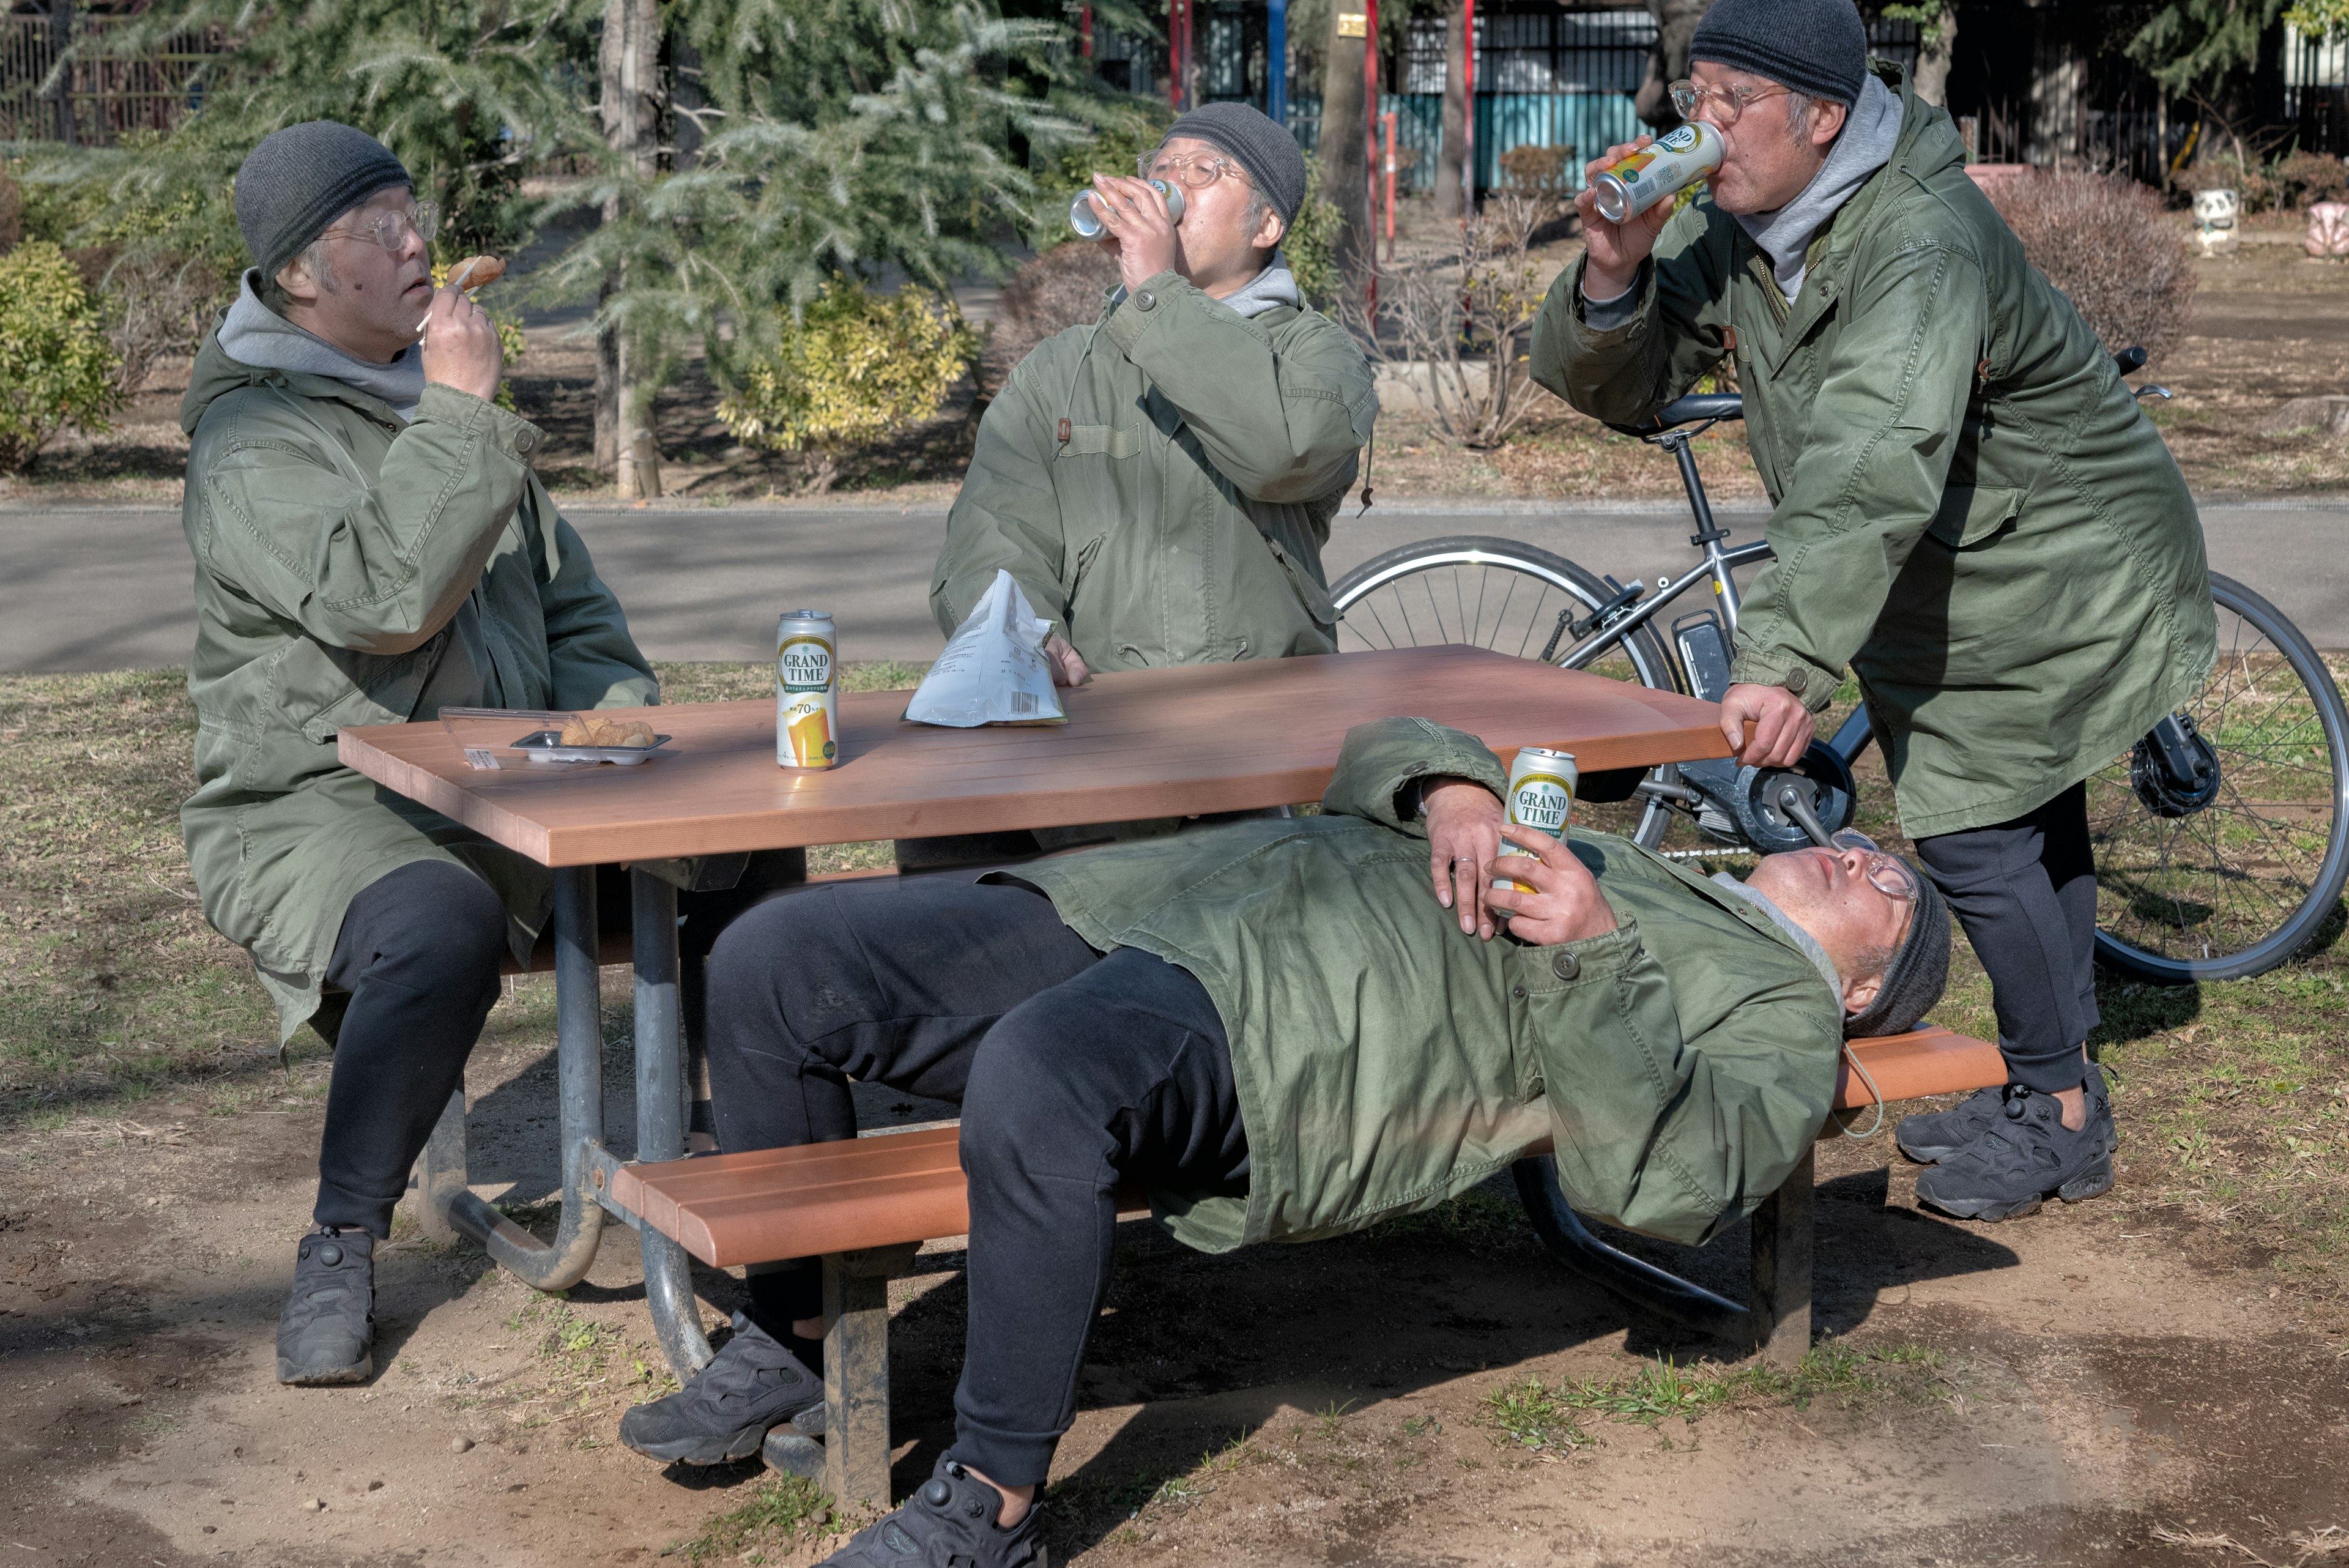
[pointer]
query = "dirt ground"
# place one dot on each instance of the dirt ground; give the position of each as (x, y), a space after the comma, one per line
(2072, 1387)
(2270, 324)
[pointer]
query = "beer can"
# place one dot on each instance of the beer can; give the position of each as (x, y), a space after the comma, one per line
(1541, 797)
(807, 691)
(1666, 166)
(1088, 224)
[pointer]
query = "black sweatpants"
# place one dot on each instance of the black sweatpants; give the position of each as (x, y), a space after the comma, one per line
(419, 952)
(1075, 1071)
(2025, 892)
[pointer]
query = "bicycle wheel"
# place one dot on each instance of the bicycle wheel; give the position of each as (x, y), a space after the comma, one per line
(2190, 891)
(1508, 596)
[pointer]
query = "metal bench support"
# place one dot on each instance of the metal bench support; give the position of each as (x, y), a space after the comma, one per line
(852, 1462)
(1781, 1268)
(661, 1112)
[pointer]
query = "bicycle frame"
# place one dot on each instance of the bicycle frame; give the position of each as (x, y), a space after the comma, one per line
(1630, 610)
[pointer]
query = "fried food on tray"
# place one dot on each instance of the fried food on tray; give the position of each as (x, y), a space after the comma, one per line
(476, 272)
(588, 729)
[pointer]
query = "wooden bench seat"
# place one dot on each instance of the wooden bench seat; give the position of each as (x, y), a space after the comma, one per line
(865, 1206)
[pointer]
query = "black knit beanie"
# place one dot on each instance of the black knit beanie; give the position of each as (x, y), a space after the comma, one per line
(1815, 47)
(1919, 973)
(302, 178)
(1268, 153)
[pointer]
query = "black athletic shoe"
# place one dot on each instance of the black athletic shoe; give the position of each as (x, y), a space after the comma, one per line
(326, 1332)
(1933, 1136)
(723, 1414)
(2027, 1157)
(949, 1522)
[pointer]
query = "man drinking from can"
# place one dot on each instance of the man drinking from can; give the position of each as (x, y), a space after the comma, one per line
(1160, 483)
(1969, 510)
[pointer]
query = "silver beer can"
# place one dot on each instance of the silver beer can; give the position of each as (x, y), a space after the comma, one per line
(807, 691)
(1088, 225)
(1673, 161)
(1541, 797)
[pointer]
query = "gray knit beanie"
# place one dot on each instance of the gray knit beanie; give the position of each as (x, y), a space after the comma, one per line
(302, 178)
(1268, 153)
(1918, 975)
(1815, 47)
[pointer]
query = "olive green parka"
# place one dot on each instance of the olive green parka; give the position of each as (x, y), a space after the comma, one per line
(354, 568)
(1385, 1060)
(1969, 509)
(1160, 483)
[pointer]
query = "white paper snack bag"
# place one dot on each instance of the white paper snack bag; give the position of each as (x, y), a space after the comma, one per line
(993, 670)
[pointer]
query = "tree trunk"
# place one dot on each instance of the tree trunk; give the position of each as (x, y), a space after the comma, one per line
(1668, 62)
(1933, 54)
(61, 21)
(1450, 172)
(1345, 144)
(631, 115)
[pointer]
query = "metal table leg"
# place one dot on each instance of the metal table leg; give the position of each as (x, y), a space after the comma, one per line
(661, 1113)
(579, 1067)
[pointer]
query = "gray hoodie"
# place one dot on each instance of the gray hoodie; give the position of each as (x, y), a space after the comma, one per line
(1864, 146)
(252, 333)
(1275, 287)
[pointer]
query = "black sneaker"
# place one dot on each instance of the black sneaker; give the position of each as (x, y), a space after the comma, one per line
(949, 1522)
(326, 1332)
(753, 1383)
(2026, 1158)
(1933, 1136)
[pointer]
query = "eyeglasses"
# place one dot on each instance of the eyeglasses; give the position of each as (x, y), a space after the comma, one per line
(390, 229)
(1887, 873)
(1187, 169)
(1726, 103)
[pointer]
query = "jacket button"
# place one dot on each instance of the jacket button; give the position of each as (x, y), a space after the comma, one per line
(1565, 965)
(1519, 992)
(1796, 680)
(1145, 300)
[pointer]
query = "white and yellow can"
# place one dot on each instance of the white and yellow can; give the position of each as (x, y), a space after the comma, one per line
(1541, 797)
(807, 691)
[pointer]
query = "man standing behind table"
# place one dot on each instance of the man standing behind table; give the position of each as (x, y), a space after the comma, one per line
(1160, 483)
(371, 546)
(1968, 509)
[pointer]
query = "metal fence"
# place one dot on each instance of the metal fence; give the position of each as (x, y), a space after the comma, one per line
(104, 97)
(2316, 90)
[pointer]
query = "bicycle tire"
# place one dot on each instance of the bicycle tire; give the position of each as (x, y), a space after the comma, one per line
(2307, 758)
(1641, 656)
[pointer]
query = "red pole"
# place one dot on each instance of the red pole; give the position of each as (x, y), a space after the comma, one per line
(1468, 120)
(1085, 32)
(1370, 128)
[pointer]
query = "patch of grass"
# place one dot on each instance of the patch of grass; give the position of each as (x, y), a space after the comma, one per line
(1529, 1414)
(782, 1511)
(1478, 1219)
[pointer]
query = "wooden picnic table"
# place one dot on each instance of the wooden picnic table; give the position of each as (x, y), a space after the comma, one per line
(1143, 743)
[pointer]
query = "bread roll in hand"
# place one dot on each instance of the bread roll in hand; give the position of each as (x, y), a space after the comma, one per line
(476, 272)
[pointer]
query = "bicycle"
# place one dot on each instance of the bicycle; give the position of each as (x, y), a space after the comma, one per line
(2219, 839)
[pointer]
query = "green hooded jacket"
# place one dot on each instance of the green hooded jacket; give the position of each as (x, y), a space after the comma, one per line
(353, 568)
(1160, 483)
(1386, 1061)
(1969, 509)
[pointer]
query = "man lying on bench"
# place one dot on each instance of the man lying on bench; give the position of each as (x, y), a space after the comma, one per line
(1271, 1027)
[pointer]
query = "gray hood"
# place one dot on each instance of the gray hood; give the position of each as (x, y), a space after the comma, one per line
(1865, 146)
(1273, 287)
(252, 333)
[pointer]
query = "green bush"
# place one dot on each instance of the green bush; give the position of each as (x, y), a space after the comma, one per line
(56, 367)
(855, 366)
(1311, 245)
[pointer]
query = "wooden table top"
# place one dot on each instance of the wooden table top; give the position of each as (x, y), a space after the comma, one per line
(1149, 743)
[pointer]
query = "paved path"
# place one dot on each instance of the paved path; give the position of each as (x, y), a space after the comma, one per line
(109, 589)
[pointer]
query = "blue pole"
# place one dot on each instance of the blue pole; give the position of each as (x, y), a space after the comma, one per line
(1276, 63)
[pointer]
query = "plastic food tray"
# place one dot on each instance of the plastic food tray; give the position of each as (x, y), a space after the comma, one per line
(546, 746)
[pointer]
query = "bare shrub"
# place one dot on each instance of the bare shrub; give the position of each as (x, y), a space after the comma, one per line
(2106, 242)
(158, 306)
(1539, 171)
(1461, 326)
(1060, 289)
(2305, 178)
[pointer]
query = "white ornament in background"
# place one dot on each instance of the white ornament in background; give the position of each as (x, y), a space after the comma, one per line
(2214, 220)
(2328, 230)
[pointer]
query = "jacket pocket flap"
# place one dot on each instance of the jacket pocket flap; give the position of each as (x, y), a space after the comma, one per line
(1096, 441)
(1316, 600)
(1970, 514)
(390, 698)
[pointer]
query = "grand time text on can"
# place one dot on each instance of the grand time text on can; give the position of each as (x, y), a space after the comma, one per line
(807, 691)
(1541, 797)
